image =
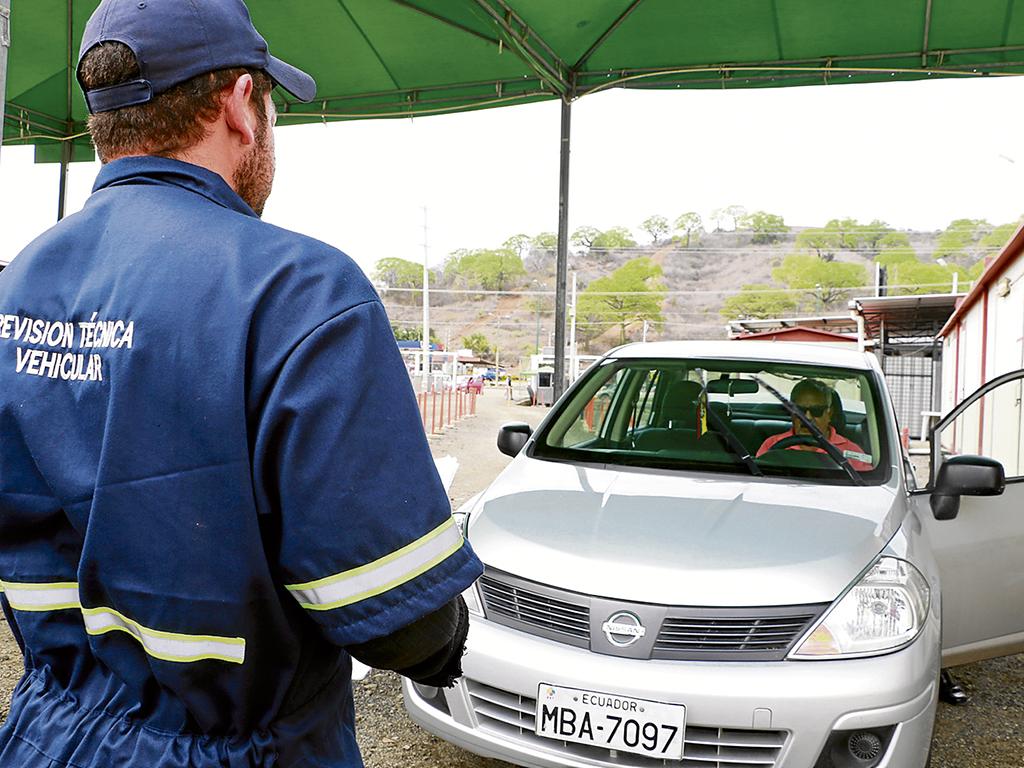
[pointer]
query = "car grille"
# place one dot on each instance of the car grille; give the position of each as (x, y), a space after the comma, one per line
(519, 606)
(685, 633)
(513, 717)
(718, 633)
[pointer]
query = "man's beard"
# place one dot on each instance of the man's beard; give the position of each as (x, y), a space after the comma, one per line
(254, 176)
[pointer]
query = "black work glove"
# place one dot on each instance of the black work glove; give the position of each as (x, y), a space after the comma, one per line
(427, 651)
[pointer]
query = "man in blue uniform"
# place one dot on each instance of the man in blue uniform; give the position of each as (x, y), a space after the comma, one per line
(214, 487)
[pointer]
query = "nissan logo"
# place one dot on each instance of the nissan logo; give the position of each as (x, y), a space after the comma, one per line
(623, 629)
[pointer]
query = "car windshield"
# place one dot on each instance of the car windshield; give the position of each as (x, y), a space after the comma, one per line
(760, 418)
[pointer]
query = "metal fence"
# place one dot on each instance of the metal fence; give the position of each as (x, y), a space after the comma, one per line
(910, 379)
(443, 408)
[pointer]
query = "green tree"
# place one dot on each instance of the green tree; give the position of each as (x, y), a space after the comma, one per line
(849, 234)
(959, 242)
(823, 242)
(412, 333)
(729, 214)
(520, 244)
(616, 237)
(656, 226)
(916, 277)
(890, 257)
(758, 300)
(826, 281)
(478, 343)
(767, 227)
(999, 236)
(584, 236)
(874, 232)
(398, 273)
(690, 224)
(629, 295)
(892, 240)
(544, 241)
(489, 269)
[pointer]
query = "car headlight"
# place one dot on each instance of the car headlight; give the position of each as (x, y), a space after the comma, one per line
(470, 595)
(472, 598)
(883, 611)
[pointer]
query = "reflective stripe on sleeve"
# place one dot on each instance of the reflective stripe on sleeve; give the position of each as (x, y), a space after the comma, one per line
(381, 575)
(168, 646)
(56, 596)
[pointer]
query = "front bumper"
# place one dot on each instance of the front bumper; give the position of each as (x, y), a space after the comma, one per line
(768, 714)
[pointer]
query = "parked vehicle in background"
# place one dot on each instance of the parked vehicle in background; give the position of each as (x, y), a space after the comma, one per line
(472, 384)
(665, 586)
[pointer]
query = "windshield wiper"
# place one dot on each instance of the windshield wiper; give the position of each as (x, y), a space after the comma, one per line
(734, 443)
(834, 453)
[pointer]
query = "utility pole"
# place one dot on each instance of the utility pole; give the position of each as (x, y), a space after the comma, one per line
(536, 342)
(426, 308)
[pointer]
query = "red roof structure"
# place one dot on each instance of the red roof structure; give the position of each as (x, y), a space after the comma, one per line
(797, 333)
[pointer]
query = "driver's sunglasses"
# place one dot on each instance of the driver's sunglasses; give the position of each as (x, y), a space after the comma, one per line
(817, 411)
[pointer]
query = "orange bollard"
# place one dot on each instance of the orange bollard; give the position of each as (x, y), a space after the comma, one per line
(906, 438)
(451, 393)
(433, 410)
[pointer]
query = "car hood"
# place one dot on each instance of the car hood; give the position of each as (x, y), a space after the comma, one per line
(680, 538)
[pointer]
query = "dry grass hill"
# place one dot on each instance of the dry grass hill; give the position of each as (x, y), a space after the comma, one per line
(697, 280)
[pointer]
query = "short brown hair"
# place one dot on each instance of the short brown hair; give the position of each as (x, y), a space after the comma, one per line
(172, 121)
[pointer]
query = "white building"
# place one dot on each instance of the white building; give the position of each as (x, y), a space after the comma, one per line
(983, 339)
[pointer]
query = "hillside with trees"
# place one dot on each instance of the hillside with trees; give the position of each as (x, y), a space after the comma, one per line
(679, 277)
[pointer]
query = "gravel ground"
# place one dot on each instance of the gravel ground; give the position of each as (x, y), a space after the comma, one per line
(986, 733)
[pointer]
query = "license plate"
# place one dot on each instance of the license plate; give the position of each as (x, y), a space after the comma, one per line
(608, 720)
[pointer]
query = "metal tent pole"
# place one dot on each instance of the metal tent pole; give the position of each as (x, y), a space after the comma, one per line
(62, 193)
(5, 43)
(67, 148)
(562, 270)
(425, 342)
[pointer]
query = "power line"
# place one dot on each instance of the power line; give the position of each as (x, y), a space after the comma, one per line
(479, 291)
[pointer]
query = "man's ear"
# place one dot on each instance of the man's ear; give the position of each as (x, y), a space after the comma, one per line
(238, 111)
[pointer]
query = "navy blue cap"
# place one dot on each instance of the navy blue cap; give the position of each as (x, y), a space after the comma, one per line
(175, 40)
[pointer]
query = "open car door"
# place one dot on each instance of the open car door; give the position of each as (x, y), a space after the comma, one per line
(973, 511)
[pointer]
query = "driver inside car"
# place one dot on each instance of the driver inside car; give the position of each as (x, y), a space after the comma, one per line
(816, 401)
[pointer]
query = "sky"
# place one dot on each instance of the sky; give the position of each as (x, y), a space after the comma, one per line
(915, 155)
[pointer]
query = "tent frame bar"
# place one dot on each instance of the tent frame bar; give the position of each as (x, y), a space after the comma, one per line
(562, 261)
(5, 43)
(524, 40)
(605, 35)
(927, 31)
(451, 23)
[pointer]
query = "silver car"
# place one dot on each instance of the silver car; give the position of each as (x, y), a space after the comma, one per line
(715, 555)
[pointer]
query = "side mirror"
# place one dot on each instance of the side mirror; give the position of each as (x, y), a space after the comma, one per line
(965, 476)
(512, 437)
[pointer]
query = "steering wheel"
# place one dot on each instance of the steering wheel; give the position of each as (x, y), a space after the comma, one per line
(792, 440)
(820, 456)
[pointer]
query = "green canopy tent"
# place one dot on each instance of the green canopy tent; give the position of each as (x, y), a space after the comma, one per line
(400, 58)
